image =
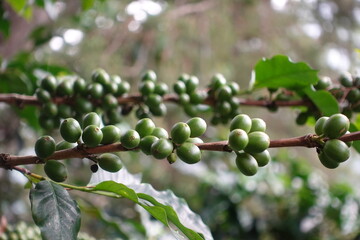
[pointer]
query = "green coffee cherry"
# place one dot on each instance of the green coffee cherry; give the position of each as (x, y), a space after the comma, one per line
(146, 142)
(161, 89)
(43, 95)
(172, 158)
(83, 105)
(49, 109)
(123, 87)
(64, 145)
(64, 111)
(262, 158)
(192, 84)
(195, 140)
(197, 126)
(100, 76)
(111, 134)
(323, 83)
(79, 86)
(159, 110)
(160, 132)
(91, 118)
(238, 139)
(162, 148)
(180, 132)
(145, 127)
(150, 75)
(184, 77)
(146, 87)
(197, 97)
(241, 121)
(184, 98)
(346, 79)
(179, 87)
(55, 170)
(189, 153)
(258, 142)
(109, 162)
(319, 125)
(235, 88)
(92, 136)
(258, 125)
(301, 118)
(48, 123)
(224, 93)
(70, 130)
(336, 126)
(217, 81)
(49, 84)
(353, 95)
(65, 88)
(153, 100)
(45, 147)
(109, 101)
(246, 163)
(95, 90)
(336, 150)
(327, 162)
(130, 139)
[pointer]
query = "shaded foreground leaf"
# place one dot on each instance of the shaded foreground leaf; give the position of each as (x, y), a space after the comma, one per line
(54, 212)
(324, 101)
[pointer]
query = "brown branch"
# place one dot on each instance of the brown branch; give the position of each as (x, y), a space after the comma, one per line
(311, 140)
(21, 100)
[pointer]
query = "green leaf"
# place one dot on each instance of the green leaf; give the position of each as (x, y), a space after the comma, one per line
(87, 4)
(17, 5)
(324, 101)
(157, 212)
(54, 212)
(280, 71)
(171, 217)
(118, 188)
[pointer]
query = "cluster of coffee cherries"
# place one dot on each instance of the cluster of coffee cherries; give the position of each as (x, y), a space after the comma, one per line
(150, 139)
(152, 93)
(181, 143)
(250, 142)
(90, 134)
(80, 97)
(333, 151)
(188, 93)
(224, 94)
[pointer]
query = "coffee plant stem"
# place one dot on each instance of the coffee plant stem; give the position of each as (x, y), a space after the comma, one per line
(310, 140)
(22, 100)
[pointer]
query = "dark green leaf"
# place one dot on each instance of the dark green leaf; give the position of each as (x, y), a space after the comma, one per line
(280, 71)
(54, 212)
(29, 113)
(356, 144)
(4, 26)
(118, 188)
(324, 101)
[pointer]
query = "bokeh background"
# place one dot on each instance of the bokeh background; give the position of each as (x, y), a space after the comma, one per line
(292, 198)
